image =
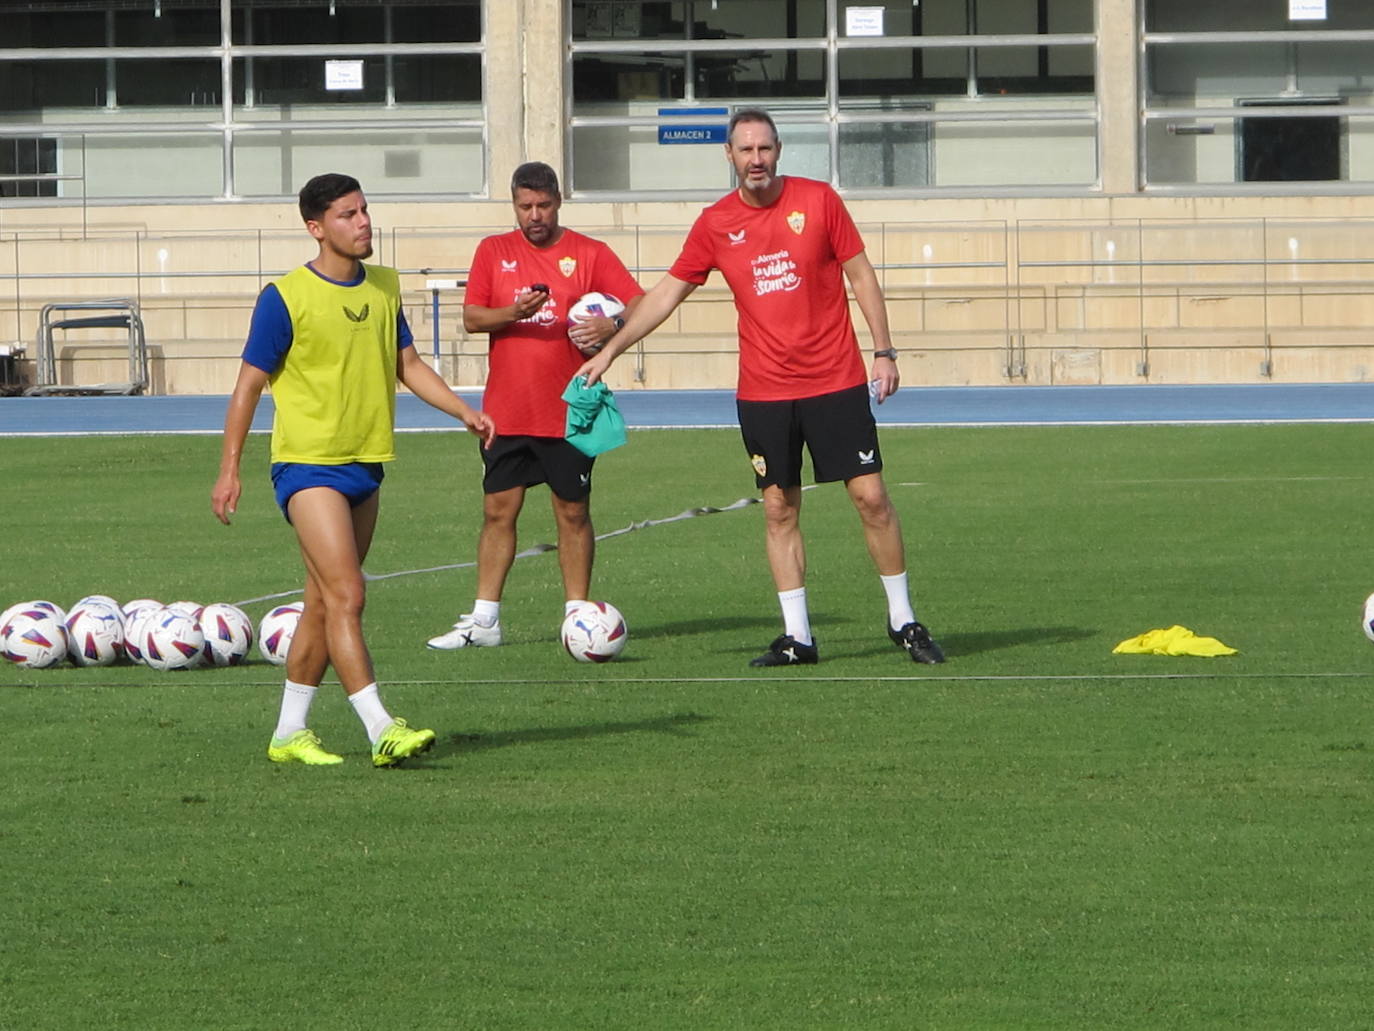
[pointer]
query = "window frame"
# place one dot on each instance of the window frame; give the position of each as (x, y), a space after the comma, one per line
(230, 127)
(1203, 120)
(834, 112)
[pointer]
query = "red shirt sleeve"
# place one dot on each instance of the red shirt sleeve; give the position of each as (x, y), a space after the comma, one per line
(845, 240)
(478, 290)
(697, 259)
(612, 277)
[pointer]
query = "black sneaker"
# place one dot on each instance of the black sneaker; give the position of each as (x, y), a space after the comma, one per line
(785, 651)
(916, 639)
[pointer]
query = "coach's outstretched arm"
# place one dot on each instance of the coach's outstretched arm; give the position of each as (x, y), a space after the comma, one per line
(243, 402)
(650, 313)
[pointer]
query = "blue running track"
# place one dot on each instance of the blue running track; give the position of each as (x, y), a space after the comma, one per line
(643, 409)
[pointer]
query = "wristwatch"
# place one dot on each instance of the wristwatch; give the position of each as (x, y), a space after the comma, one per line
(619, 323)
(887, 352)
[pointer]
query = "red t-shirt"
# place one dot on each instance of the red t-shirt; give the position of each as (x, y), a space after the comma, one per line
(783, 264)
(531, 361)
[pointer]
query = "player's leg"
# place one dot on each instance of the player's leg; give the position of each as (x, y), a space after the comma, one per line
(842, 436)
(568, 472)
(773, 443)
(576, 547)
(306, 662)
(481, 627)
(497, 540)
(323, 520)
(783, 536)
(509, 466)
(333, 538)
(882, 527)
(883, 535)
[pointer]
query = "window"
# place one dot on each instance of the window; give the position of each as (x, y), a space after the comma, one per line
(1236, 94)
(21, 157)
(902, 100)
(129, 124)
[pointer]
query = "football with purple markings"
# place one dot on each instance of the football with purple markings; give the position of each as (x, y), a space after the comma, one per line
(595, 631)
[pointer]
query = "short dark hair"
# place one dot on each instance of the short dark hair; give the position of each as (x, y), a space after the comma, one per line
(534, 175)
(324, 190)
(750, 114)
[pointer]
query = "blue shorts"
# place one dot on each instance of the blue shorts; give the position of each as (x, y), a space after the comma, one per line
(357, 481)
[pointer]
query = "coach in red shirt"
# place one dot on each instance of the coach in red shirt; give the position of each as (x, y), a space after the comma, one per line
(520, 289)
(785, 246)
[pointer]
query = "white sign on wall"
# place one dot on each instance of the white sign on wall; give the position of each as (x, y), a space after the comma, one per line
(1306, 10)
(341, 75)
(863, 21)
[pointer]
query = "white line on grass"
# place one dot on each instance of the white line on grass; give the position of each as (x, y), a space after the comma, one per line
(930, 678)
(1183, 480)
(927, 678)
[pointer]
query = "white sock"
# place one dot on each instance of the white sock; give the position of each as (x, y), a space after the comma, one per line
(486, 613)
(367, 703)
(295, 708)
(796, 621)
(568, 606)
(899, 610)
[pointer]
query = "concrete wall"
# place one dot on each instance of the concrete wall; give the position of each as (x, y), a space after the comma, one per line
(1115, 285)
(986, 291)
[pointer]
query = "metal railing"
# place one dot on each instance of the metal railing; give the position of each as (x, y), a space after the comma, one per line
(971, 302)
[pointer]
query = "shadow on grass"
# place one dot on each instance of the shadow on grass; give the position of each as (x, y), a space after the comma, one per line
(458, 744)
(974, 642)
(706, 625)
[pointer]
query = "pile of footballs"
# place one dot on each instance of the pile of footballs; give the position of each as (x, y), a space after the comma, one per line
(98, 631)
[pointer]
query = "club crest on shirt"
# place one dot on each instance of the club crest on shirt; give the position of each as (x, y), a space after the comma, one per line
(508, 266)
(735, 238)
(567, 266)
(357, 316)
(796, 222)
(760, 464)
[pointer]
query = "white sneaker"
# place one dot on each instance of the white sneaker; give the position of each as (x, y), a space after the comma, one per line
(468, 633)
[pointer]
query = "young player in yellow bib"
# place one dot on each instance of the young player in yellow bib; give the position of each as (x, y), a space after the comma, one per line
(331, 339)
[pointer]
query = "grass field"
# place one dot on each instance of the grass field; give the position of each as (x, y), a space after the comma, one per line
(1037, 834)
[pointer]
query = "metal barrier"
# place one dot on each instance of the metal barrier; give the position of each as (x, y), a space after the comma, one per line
(114, 314)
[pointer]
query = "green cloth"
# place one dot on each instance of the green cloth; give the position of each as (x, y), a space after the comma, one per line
(594, 422)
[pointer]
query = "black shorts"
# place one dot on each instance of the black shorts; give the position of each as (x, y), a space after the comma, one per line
(838, 430)
(526, 461)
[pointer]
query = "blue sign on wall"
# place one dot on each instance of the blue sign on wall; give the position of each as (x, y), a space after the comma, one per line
(703, 129)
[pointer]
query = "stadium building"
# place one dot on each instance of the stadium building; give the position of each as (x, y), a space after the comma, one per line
(1054, 191)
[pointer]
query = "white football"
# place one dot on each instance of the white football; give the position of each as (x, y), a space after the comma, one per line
(136, 617)
(104, 599)
(172, 640)
(593, 305)
(138, 605)
(276, 630)
(186, 608)
(35, 609)
(36, 639)
(595, 631)
(95, 633)
(55, 610)
(6, 616)
(228, 633)
(1368, 622)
